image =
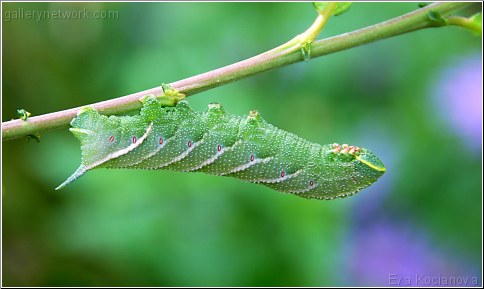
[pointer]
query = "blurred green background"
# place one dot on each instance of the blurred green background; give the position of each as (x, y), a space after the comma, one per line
(415, 100)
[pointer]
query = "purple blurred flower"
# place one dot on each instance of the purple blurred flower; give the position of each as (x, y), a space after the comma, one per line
(389, 254)
(458, 96)
(383, 251)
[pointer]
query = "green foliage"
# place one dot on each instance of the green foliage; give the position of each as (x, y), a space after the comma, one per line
(306, 51)
(171, 93)
(423, 4)
(23, 114)
(35, 137)
(473, 23)
(437, 18)
(476, 19)
(341, 7)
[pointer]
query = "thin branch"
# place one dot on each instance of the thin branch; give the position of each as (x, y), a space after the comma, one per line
(465, 22)
(283, 55)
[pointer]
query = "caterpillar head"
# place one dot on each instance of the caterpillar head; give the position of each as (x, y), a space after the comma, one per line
(364, 156)
(358, 168)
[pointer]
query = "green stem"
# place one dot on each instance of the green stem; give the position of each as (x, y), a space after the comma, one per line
(305, 39)
(307, 36)
(283, 55)
(464, 22)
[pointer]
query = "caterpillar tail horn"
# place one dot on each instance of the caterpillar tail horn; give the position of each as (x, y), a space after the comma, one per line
(79, 172)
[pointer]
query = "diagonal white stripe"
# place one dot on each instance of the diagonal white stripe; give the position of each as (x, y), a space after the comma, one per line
(247, 165)
(279, 179)
(81, 130)
(182, 155)
(121, 152)
(215, 157)
(157, 150)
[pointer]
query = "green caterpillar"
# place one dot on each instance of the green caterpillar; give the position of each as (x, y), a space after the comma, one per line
(215, 142)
